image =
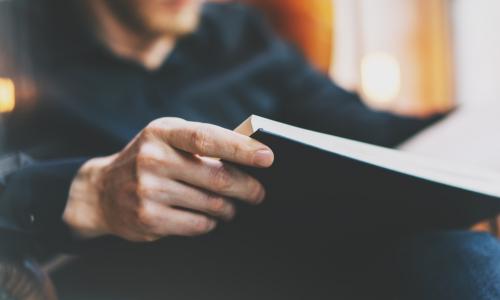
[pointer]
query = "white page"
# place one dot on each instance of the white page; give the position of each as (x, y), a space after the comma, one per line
(471, 135)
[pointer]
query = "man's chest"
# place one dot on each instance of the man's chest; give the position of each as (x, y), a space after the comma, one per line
(119, 102)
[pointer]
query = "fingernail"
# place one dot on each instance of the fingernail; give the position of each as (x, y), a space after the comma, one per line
(231, 213)
(262, 196)
(263, 158)
(212, 226)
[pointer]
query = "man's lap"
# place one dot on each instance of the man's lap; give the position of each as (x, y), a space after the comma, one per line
(446, 265)
(450, 265)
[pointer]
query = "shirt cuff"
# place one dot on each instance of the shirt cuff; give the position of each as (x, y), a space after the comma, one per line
(34, 200)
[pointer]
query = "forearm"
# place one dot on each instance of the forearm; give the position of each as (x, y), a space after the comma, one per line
(314, 101)
(344, 114)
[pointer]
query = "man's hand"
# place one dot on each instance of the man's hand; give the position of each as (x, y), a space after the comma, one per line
(163, 183)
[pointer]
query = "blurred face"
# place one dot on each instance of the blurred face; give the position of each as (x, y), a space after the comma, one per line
(158, 17)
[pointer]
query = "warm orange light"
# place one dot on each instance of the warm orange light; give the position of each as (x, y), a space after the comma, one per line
(7, 95)
(380, 78)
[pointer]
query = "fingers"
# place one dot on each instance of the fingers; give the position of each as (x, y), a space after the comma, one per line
(186, 223)
(131, 193)
(213, 141)
(161, 221)
(221, 178)
(205, 173)
(180, 195)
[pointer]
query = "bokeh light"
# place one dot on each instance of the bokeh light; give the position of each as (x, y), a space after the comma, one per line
(380, 78)
(7, 95)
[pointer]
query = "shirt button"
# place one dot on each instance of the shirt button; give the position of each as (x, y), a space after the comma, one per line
(32, 218)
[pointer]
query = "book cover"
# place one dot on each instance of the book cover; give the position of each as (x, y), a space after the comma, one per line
(322, 185)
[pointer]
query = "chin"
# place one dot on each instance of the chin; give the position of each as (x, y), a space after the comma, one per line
(179, 21)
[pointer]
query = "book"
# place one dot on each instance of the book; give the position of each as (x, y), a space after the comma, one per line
(343, 186)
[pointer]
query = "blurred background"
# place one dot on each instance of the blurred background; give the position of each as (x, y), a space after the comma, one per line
(406, 54)
(435, 52)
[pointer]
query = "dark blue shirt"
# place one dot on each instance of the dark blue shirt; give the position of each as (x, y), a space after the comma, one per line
(89, 102)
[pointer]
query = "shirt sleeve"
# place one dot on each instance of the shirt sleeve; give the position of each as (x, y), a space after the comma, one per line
(314, 101)
(310, 99)
(33, 198)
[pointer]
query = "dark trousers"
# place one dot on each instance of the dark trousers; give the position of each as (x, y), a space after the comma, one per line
(442, 265)
(452, 265)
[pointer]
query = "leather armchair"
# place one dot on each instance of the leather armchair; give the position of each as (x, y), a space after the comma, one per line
(307, 23)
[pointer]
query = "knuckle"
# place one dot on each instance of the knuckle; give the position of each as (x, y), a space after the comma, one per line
(144, 218)
(236, 150)
(148, 157)
(152, 128)
(160, 125)
(142, 191)
(199, 139)
(156, 123)
(217, 205)
(221, 178)
(148, 149)
(143, 160)
(152, 157)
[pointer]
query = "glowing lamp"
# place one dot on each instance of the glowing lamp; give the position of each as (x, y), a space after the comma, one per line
(7, 95)
(380, 78)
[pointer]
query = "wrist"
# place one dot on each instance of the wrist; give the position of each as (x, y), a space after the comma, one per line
(83, 211)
